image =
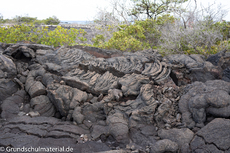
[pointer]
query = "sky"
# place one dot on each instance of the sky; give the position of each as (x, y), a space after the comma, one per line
(68, 10)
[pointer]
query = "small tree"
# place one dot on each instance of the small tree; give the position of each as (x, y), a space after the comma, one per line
(27, 19)
(52, 21)
(154, 8)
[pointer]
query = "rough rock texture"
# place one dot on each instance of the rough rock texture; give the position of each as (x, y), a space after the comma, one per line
(42, 105)
(190, 68)
(131, 83)
(181, 136)
(202, 99)
(7, 88)
(165, 145)
(66, 98)
(46, 132)
(91, 81)
(213, 137)
(222, 60)
(7, 67)
(11, 105)
(96, 100)
(35, 87)
(118, 127)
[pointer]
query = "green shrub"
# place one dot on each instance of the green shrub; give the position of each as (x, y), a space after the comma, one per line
(224, 29)
(52, 21)
(137, 36)
(129, 38)
(41, 35)
(98, 40)
(15, 33)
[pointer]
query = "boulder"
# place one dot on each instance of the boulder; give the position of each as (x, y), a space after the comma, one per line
(217, 133)
(211, 97)
(33, 86)
(164, 145)
(66, 99)
(214, 137)
(182, 137)
(98, 131)
(143, 108)
(191, 68)
(61, 98)
(11, 105)
(131, 84)
(198, 145)
(7, 88)
(43, 106)
(94, 112)
(77, 116)
(118, 127)
(7, 67)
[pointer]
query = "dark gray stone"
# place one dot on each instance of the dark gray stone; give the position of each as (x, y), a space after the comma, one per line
(33, 86)
(11, 105)
(140, 139)
(119, 99)
(191, 68)
(7, 88)
(46, 132)
(118, 127)
(98, 130)
(163, 146)
(211, 97)
(7, 67)
(43, 106)
(91, 82)
(131, 83)
(94, 112)
(28, 50)
(181, 136)
(226, 74)
(217, 133)
(66, 98)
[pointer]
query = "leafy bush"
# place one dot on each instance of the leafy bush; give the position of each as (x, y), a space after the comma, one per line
(60, 36)
(224, 29)
(41, 35)
(52, 21)
(15, 33)
(137, 36)
(129, 38)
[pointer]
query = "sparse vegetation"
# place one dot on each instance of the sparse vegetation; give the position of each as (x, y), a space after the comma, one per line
(185, 31)
(30, 20)
(41, 35)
